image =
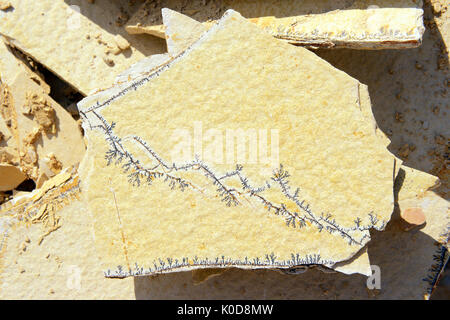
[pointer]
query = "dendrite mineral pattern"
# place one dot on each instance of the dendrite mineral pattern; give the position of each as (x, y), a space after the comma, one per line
(282, 193)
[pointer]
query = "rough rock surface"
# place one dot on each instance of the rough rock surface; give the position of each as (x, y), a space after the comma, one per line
(36, 130)
(406, 114)
(72, 39)
(360, 24)
(327, 205)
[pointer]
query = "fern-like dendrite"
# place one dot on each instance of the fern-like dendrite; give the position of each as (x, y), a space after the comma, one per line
(304, 216)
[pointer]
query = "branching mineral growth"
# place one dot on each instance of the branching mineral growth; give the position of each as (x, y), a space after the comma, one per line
(80, 42)
(274, 213)
(40, 136)
(41, 266)
(357, 24)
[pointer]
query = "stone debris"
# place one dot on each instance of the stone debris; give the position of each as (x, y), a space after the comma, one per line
(5, 5)
(418, 230)
(358, 24)
(11, 177)
(76, 38)
(180, 30)
(36, 130)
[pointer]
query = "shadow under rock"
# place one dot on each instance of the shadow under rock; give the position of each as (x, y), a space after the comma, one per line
(401, 256)
(408, 90)
(404, 259)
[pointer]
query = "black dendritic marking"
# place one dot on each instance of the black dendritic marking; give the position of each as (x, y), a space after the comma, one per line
(300, 218)
(269, 261)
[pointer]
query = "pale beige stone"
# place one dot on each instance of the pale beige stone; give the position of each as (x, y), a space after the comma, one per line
(46, 247)
(56, 264)
(334, 246)
(77, 46)
(42, 137)
(121, 42)
(358, 24)
(180, 30)
(414, 216)
(401, 278)
(10, 177)
(5, 5)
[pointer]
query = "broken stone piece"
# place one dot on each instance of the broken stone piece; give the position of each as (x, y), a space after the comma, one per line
(414, 216)
(274, 206)
(121, 42)
(35, 127)
(180, 30)
(358, 24)
(10, 177)
(73, 41)
(5, 5)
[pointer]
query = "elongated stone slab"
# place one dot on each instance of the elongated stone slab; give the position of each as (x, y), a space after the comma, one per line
(358, 24)
(80, 42)
(213, 186)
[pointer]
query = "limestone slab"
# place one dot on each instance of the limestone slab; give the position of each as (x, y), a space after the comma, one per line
(40, 137)
(78, 42)
(11, 177)
(331, 24)
(316, 238)
(47, 250)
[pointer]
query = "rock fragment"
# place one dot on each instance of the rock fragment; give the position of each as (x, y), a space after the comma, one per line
(413, 216)
(60, 43)
(193, 65)
(11, 177)
(358, 24)
(33, 125)
(4, 5)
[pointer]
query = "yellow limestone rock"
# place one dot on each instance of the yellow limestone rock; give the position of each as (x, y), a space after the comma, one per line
(181, 31)
(92, 285)
(188, 31)
(41, 137)
(327, 182)
(67, 262)
(78, 42)
(46, 247)
(360, 24)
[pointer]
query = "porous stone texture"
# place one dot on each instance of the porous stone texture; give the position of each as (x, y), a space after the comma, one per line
(408, 90)
(361, 24)
(36, 130)
(264, 222)
(75, 37)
